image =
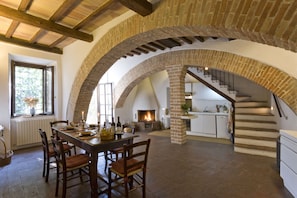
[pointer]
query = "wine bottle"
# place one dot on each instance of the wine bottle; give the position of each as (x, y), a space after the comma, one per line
(119, 125)
(112, 125)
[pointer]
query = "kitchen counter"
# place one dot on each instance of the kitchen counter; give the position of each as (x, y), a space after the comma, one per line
(209, 124)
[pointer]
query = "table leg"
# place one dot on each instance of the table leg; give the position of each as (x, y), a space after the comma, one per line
(93, 175)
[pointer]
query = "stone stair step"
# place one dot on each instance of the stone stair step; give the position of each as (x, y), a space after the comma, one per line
(252, 151)
(250, 104)
(260, 110)
(255, 143)
(264, 148)
(246, 116)
(240, 98)
(250, 132)
(254, 124)
(251, 137)
(257, 129)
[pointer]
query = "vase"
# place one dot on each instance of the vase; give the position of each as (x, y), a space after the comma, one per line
(32, 111)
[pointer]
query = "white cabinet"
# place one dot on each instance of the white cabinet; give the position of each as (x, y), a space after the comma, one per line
(288, 160)
(222, 126)
(203, 125)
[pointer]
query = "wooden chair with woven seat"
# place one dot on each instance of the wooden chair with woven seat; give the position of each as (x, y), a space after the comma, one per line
(131, 168)
(71, 167)
(114, 154)
(61, 123)
(48, 154)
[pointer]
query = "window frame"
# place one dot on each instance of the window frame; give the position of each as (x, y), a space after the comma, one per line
(108, 107)
(44, 68)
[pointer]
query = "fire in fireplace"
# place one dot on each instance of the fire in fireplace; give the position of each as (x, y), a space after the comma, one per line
(146, 115)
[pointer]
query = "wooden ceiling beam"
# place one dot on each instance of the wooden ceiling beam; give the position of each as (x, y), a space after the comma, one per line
(95, 14)
(64, 9)
(187, 40)
(13, 26)
(24, 5)
(156, 45)
(149, 48)
(30, 45)
(142, 7)
(200, 38)
(44, 24)
(142, 50)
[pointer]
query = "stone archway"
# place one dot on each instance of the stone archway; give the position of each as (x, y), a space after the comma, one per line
(250, 69)
(242, 19)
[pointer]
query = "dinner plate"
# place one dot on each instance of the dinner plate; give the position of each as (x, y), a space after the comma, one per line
(86, 133)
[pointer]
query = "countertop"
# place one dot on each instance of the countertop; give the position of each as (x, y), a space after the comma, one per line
(289, 133)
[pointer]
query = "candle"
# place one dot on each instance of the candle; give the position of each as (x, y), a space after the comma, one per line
(82, 115)
(98, 117)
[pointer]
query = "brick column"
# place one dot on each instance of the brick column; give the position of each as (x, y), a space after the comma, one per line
(176, 74)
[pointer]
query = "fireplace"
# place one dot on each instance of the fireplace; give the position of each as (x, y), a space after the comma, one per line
(146, 115)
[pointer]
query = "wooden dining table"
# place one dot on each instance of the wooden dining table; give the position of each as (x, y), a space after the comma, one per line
(93, 145)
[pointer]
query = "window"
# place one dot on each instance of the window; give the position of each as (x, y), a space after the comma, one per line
(105, 102)
(31, 81)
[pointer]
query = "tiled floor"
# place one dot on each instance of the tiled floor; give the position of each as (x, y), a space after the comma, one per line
(195, 169)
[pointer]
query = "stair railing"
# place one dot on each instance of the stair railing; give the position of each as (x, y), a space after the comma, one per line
(225, 78)
(278, 107)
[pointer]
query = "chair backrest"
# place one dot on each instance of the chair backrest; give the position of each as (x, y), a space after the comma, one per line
(59, 152)
(44, 140)
(135, 156)
(58, 123)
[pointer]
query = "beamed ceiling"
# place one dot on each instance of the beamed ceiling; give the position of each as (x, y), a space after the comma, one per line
(51, 25)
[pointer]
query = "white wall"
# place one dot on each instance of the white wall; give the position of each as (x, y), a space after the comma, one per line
(8, 52)
(145, 99)
(204, 98)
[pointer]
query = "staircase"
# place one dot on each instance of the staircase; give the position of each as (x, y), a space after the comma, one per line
(256, 131)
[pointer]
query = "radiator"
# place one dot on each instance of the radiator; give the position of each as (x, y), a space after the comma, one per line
(25, 133)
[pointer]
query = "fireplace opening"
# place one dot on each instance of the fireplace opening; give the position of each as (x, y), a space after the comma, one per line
(146, 115)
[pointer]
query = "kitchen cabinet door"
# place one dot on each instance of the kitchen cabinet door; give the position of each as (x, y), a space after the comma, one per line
(222, 129)
(204, 125)
(197, 124)
(209, 124)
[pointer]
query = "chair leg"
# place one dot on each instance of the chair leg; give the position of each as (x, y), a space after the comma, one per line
(47, 169)
(57, 182)
(64, 183)
(109, 183)
(44, 164)
(106, 159)
(143, 186)
(126, 180)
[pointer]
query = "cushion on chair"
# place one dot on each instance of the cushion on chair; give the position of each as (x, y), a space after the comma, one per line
(118, 166)
(77, 160)
(51, 151)
(67, 147)
(118, 150)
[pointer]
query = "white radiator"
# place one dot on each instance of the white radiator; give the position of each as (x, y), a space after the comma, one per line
(25, 133)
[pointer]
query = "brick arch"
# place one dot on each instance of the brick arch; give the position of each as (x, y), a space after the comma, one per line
(257, 21)
(273, 79)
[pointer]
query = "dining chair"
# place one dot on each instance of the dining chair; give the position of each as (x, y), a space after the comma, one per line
(70, 167)
(49, 154)
(114, 154)
(61, 123)
(129, 169)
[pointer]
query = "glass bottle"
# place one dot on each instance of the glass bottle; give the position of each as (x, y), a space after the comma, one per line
(119, 125)
(112, 128)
